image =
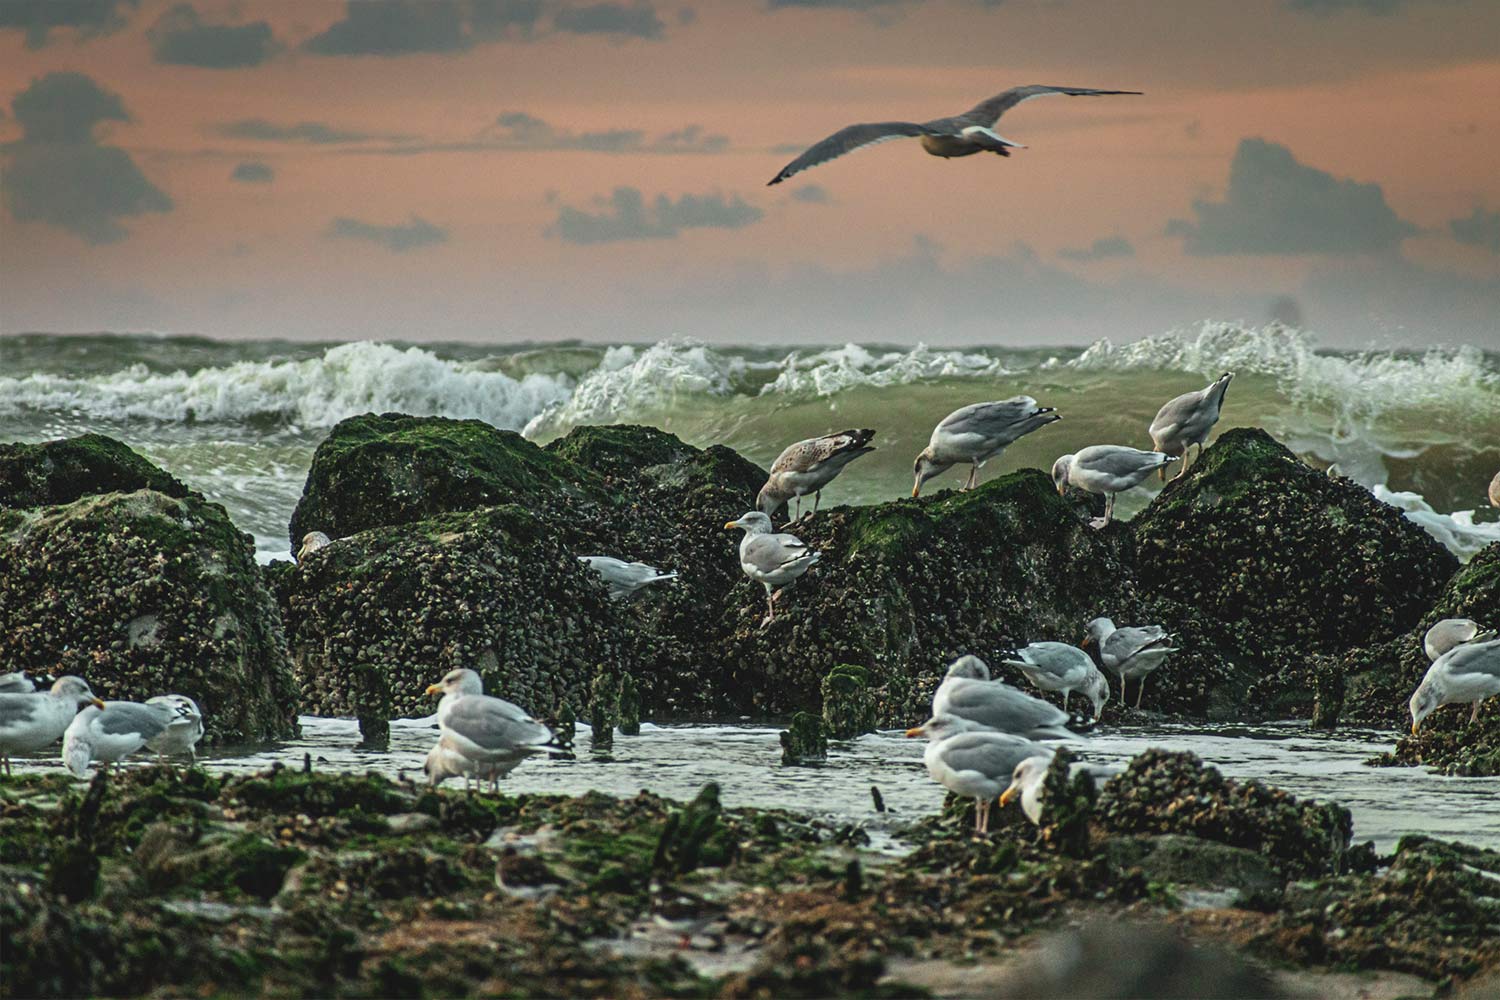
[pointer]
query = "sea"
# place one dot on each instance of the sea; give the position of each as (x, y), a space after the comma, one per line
(239, 420)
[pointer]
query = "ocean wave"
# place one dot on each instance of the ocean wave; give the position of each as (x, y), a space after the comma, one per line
(348, 379)
(1457, 531)
(836, 370)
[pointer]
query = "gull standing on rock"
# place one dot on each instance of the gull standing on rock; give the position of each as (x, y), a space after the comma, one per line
(1129, 653)
(961, 135)
(1057, 666)
(31, 721)
(184, 730)
(1452, 632)
(968, 693)
(770, 559)
(625, 578)
(1469, 672)
(1186, 421)
(1026, 782)
(977, 433)
(112, 733)
(490, 732)
(808, 466)
(1107, 469)
(972, 761)
(312, 542)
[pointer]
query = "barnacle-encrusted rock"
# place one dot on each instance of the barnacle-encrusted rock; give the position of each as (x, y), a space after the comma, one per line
(59, 472)
(803, 742)
(1168, 792)
(141, 594)
(1300, 563)
(849, 708)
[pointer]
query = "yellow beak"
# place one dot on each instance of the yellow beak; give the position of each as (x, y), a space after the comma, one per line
(916, 489)
(1061, 487)
(98, 703)
(434, 689)
(916, 731)
(1009, 794)
(1414, 729)
(731, 524)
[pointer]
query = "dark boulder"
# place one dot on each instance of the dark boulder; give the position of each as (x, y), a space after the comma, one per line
(58, 472)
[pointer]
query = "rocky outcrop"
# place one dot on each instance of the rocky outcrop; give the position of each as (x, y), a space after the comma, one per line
(142, 593)
(58, 472)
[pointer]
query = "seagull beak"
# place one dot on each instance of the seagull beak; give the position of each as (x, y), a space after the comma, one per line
(1009, 794)
(434, 689)
(731, 524)
(1060, 488)
(916, 489)
(100, 704)
(1414, 728)
(916, 731)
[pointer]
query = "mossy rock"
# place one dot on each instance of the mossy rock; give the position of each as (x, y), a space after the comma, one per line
(144, 594)
(62, 471)
(849, 708)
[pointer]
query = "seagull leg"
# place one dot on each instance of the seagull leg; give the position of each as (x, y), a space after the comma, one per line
(770, 607)
(817, 499)
(1122, 690)
(1109, 509)
(1140, 691)
(1065, 699)
(1474, 715)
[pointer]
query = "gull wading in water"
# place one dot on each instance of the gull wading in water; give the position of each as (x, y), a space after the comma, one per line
(183, 731)
(112, 733)
(972, 761)
(770, 559)
(1107, 469)
(625, 578)
(977, 433)
(961, 135)
(30, 721)
(968, 693)
(1186, 421)
(808, 466)
(1469, 672)
(1129, 653)
(1057, 666)
(490, 732)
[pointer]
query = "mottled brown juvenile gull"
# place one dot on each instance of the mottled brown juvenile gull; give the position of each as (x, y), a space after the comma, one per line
(16, 682)
(183, 731)
(1107, 469)
(112, 733)
(1186, 421)
(491, 732)
(1026, 782)
(773, 560)
(808, 466)
(968, 693)
(1057, 666)
(1129, 653)
(972, 761)
(625, 578)
(1466, 673)
(960, 135)
(976, 433)
(312, 542)
(31, 721)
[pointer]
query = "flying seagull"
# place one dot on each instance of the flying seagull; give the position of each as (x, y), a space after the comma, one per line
(962, 135)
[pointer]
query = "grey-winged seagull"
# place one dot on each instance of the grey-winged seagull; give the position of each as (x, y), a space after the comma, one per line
(183, 731)
(1057, 666)
(16, 682)
(493, 733)
(1026, 782)
(960, 135)
(1107, 469)
(31, 721)
(1129, 653)
(972, 761)
(112, 733)
(1186, 421)
(1469, 672)
(624, 578)
(968, 693)
(808, 466)
(312, 542)
(771, 559)
(1452, 632)
(977, 433)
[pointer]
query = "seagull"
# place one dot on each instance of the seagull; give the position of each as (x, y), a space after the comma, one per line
(624, 578)
(112, 733)
(1107, 469)
(808, 466)
(444, 762)
(312, 542)
(1057, 666)
(491, 732)
(1129, 653)
(1452, 632)
(972, 761)
(1186, 421)
(772, 560)
(1495, 491)
(1466, 673)
(1026, 782)
(31, 721)
(977, 433)
(16, 682)
(184, 730)
(961, 135)
(968, 693)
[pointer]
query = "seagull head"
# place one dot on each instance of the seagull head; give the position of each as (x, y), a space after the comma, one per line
(940, 727)
(752, 523)
(1424, 702)
(459, 681)
(971, 667)
(76, 689)
(1029, 772)
(1060, 472)
(924, 468)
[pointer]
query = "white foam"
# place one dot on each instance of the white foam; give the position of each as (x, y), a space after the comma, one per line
(348, 379)
(825, 373)
(1457, 531)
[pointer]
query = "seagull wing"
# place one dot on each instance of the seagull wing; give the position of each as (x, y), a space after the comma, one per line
(769, 553)
(807, 456)
(1123, 643)
(123, 717)
(990, 419)
(494, 724)
(988, 112)
(847, 140)
(993, 755)
(18, 709)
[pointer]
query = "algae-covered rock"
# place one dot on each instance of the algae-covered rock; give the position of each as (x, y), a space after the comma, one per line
(59, 472)
(1300, 563)
(803, 741)
(144, 594)
(849, 708)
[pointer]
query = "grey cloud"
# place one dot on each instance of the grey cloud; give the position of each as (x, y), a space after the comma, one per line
(625, 216)
(88, 18)
(637, 20)
(414, 233)
(407, 27)
(60, 175)
(316, 133)
(1276, 205)
(520, 130)
(179, 38)
(1101, 249)
(834, 4)
(1482, 229)
(252, 172)
(1378, 7)
(813, 194)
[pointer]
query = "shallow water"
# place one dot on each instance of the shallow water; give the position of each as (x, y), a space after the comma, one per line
(677, 760)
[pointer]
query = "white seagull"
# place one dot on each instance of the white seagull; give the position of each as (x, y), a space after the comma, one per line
(1466, 673)
(1186, 421)
(808, 466)
(312, 542)
(491, 732)
(1452, 632)
(31, 721)
(1107, 469)
(625, 578)
(1129, 653)
(183, 731)
(1057, 666)
(1026, 782)
(112, 733)
(972, 761)
(961, 135)
(16, 682)
(977, 433)
(968, 693)
(770, 559)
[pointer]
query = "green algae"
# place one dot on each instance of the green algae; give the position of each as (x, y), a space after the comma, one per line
(66, 470)
(849, 707)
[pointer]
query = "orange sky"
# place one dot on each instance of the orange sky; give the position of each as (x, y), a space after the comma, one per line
(1397, 95)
